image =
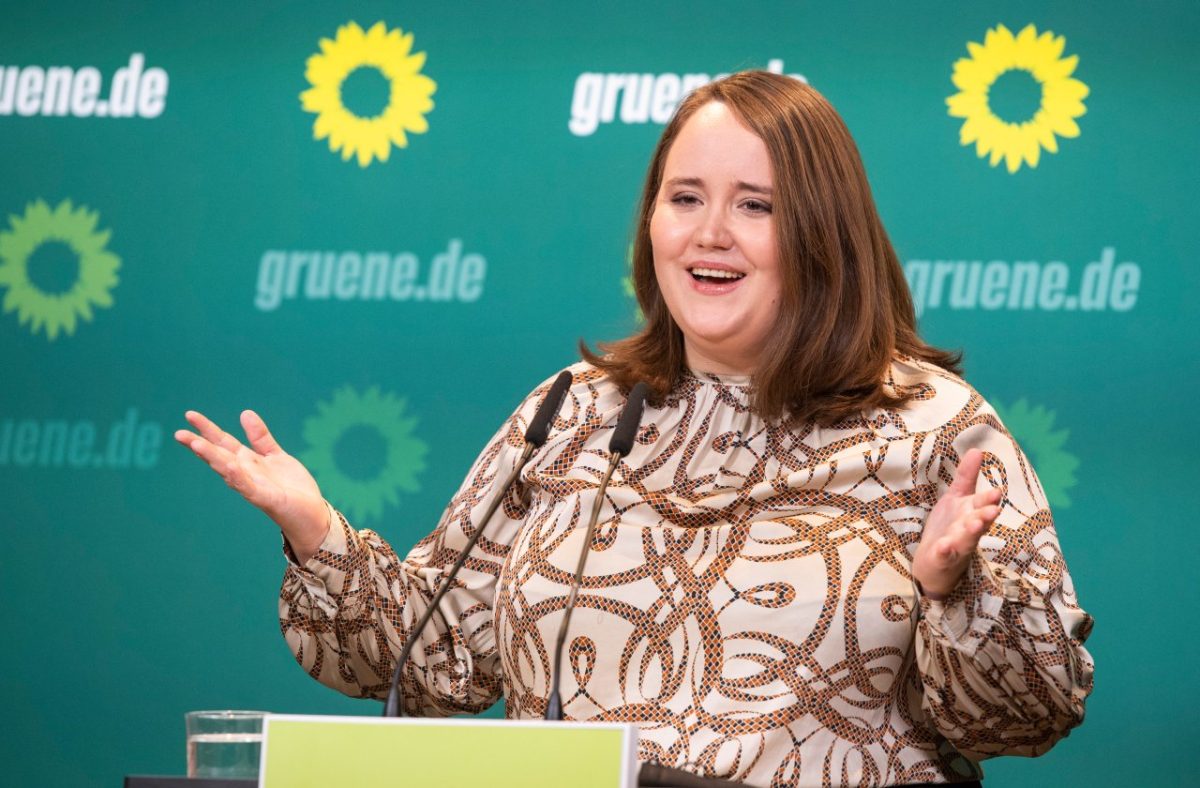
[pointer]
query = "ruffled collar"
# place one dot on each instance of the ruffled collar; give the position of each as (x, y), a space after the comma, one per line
(719, 380)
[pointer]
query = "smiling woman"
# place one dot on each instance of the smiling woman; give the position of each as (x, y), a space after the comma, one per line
(716, 259)
(823, 561)
(758, 251)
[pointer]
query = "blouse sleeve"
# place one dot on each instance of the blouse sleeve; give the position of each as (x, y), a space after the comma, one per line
(348, 611)
(1001, 659)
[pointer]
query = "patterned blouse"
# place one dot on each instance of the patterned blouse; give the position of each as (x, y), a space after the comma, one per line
(747, 601)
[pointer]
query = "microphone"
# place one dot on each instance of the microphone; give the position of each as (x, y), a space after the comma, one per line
(535, 435)
(619, 445)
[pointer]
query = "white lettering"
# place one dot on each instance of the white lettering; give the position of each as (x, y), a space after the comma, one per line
(29, 90)
(941, 270)
(62, 90)
(84, 91)
(1126, 279)
(1022, 293)
(441, 278)
(8, 89)
(57, 99)
(319, 282)
(122, 100)
(404, 273)
(55, 443)
(693, 81)
(1023, 285)
(270, 280)
(641, 97)
(665, 98)
(585, 105)
(349, 269)
(152, 99)
(635, 106)
(375, 276)
(1054, 285)
(993, 290)
(470, 278)
(917, 274)
(608, 101)
(1093, 294)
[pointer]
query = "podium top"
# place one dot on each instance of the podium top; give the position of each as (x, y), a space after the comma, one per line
(152, 781)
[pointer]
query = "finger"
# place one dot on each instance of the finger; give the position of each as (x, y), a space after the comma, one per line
(950, 549)
(968, 472)
(260, 437)
(186, 437)
(217, 457)
(227, 465)
(220, 459)
(211, 432)
(987, 497)
(967, 539)
(987, 514)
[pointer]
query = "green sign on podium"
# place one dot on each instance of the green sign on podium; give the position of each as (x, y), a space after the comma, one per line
(372, 752)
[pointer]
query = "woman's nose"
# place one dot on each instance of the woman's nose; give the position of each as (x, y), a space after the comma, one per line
(713, 231)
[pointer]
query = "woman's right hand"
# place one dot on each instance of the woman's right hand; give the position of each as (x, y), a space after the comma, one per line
(266, 476)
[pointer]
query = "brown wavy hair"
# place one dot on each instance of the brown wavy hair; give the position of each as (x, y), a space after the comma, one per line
(845, 310)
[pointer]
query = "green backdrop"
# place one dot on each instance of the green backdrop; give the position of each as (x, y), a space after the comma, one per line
(173, 235)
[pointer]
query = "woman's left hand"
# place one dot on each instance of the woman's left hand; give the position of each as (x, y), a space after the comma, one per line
(953, 529)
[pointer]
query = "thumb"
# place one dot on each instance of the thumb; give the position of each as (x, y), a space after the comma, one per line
(260, 437)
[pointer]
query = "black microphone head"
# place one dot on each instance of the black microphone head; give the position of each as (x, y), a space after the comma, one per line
(539, 425)
(629, 420)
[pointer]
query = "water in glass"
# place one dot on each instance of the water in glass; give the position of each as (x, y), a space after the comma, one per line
(223, 754)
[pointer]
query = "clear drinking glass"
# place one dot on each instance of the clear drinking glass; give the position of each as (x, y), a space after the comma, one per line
(223, 743)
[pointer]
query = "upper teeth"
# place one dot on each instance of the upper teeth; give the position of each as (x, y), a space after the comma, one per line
(716, 273)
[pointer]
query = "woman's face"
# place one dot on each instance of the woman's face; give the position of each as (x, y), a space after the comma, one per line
(713, 236)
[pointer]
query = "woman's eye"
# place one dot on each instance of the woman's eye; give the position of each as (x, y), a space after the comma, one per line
(685, 199)
(757, 206)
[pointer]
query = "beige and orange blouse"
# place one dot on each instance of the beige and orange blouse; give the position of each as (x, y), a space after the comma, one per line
(748, 601)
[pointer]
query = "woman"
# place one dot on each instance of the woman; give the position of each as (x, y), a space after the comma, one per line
(824, 562)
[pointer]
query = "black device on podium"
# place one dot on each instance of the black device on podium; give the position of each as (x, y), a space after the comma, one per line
(650, 775)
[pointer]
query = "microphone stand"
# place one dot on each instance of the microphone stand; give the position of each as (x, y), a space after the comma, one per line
(619, 445)
(535, 436)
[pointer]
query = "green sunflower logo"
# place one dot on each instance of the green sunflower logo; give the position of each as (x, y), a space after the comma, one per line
(1033, 427)
(627, 286)
(363, 451)
(56, 267)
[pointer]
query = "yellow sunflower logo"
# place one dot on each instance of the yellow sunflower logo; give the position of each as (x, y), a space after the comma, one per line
(55, 266)
(1021, 140)
(363, 451)
(382, 59)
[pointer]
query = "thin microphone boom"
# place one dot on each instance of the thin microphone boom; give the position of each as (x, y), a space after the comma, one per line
(535, 435)
(618, 446)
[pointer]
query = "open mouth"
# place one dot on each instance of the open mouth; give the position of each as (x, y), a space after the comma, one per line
(715, 275)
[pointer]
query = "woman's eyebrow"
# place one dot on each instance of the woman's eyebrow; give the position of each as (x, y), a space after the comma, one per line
(754, 187)
(741, 185)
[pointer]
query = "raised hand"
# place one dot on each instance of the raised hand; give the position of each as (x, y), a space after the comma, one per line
(953, 529)
(265, 475)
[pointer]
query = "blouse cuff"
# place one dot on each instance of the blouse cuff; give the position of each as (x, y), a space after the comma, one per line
(964, 619)
(316, 573)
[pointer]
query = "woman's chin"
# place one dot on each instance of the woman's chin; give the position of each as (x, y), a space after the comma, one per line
(726, 333)
(725, 353)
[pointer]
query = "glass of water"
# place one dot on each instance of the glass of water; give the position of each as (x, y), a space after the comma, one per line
(224, 743)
